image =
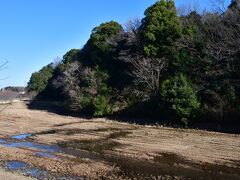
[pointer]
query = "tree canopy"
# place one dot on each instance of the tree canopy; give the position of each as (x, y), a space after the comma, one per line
(160, 28)
(39, 80)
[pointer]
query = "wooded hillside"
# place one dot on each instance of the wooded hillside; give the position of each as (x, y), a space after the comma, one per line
(178, 68)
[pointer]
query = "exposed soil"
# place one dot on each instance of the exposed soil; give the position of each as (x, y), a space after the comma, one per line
(10, 176)
(81, 148)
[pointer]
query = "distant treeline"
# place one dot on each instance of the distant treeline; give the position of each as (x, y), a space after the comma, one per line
(178, 68)
(15, 88)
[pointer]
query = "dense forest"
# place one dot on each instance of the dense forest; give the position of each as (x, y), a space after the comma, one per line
(178, 68)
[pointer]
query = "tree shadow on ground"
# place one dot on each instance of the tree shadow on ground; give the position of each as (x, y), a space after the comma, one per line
(147, 118)
(54, 107)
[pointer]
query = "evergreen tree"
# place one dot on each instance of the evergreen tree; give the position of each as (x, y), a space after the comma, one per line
(39, 80)
(180, 98)
(96, 50)
(160, 28)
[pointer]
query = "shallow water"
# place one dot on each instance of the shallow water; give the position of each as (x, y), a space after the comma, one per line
(26, 169)
(29, 170)
(15, 165)
(2, 141)
(164, 165)
(32, 145)
(43, 154)
(21, 136)
(18, 141)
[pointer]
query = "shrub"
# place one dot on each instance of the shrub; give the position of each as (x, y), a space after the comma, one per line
(80, 104)
(101, 106)
(179, 96)
(85, 90)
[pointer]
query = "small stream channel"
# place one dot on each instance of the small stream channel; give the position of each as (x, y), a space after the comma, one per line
(162, 166)
(19, 141)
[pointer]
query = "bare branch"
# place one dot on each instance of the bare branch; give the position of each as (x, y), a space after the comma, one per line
(3, 66)
(146, 73)
(219, 6)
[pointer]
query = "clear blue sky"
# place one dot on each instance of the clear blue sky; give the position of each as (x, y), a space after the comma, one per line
(34, 32)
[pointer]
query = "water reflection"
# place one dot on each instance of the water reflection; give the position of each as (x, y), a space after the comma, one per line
(32, 171)
(21, 136)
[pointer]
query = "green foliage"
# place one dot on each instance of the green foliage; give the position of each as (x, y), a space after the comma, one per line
(104, 32)
(183, 62)
(92, 95)
(81, 103)
(230, 94)
(71, 56)
(101, 106)
(101, 101)
(39, 80)
(178, 94)
(160, 28)
(96, 50)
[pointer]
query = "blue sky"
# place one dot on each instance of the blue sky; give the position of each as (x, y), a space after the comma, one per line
(34, 32)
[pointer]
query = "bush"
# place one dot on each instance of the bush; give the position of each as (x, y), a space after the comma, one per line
(101, 106)
(100, 102)
(88, 91)
(179, 96)
(81, 104)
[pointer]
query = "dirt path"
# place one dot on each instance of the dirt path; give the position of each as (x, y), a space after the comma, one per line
(105, 148)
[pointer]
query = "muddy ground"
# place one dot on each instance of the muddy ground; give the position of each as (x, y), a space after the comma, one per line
(52, 146)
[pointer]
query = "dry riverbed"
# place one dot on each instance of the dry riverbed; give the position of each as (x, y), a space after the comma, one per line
(52, 146)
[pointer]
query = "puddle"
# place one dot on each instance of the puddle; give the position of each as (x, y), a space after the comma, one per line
(31, 145)
(36, 173)
(16, 165)
(2, 141)
(32, 171)
(26, 169)
(18, 141)
(21, 136)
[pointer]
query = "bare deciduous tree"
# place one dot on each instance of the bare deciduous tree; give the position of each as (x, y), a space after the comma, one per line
(56, 62)
(219, 6)
(224, 36)
(147, 73)
(3, 66)
(186, 9)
